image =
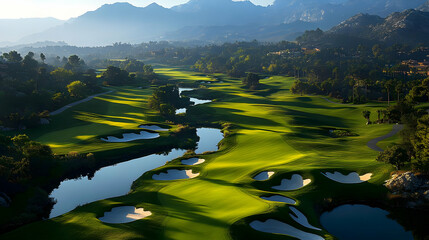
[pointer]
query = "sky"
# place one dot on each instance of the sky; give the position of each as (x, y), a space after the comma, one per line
(65, 9)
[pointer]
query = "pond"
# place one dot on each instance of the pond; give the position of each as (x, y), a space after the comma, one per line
(196, 101)
(208, 136)
(357, 222)
(116, 180)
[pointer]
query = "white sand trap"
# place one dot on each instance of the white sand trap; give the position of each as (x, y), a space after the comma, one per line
(277, 227)
(153, 128)
(193, 161)
(296, 182)
(300, 218)
(264, 176)
(279, 198)
(129, 137)
(181, 110)
(174, 174)
(124, 215)
(185, 90)
(197, 101)
(351, 178)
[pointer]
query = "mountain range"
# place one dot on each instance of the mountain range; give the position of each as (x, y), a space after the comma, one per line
(408, 27)
(210, 20)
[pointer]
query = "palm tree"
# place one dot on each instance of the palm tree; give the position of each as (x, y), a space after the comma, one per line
(398, 88)
(388, 86)
(379, 112)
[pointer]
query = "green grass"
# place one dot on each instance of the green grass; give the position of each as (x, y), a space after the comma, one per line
(273, 130)
(81, 127)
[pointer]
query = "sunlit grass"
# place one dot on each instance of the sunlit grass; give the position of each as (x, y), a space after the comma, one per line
(81, 127)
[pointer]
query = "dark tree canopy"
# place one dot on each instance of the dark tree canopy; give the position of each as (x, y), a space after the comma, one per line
(252, 80)
(166, 100)
(396, 155)
(13, 57)
(115, 76)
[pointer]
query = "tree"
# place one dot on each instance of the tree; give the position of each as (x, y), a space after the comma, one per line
(398, 88)
(77, 89)
(148, 69)
(20, 141)
(43, 57)
(396, 155)
(299, 87)
(116, 76)
(379, 112)
(166, 100)
(421, 140)
(367, 114)
(252, 80)
(388, 86)
(74, 63)
(29, 63)
(376, 50)
(13, 57)
(74, 60)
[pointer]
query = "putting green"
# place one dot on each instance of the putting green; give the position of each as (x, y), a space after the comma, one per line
(274, 131)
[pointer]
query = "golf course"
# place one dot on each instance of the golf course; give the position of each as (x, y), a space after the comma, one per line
(271, 130)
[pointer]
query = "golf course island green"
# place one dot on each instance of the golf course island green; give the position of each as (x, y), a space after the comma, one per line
(267, 129)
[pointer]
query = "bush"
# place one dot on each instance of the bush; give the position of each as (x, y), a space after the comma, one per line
(396, 155)
(336, 133)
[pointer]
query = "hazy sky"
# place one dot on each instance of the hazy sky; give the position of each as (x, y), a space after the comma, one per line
(65, 9)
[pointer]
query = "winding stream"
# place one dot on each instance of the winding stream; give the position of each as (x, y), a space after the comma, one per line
(196, 101)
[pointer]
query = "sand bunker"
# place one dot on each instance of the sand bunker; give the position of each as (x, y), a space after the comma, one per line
(277, 227)
(279, 198)
(124, 215)
(185, 90)
(264, 176)
(193, 161)
(181, 110)
(129, 137)
(296, 182)
(300, 218)
(197, 101)
(174, 174)
(351, 178)
(153, 128)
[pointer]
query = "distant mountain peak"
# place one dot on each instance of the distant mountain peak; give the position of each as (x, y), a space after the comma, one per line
(154, 5)
(117, 4)
(197, 5)
(409, 26)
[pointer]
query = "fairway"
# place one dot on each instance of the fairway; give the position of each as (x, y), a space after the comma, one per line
(81, 127)
(272, 130)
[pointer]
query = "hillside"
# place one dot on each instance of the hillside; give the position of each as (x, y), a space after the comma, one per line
(408, 27)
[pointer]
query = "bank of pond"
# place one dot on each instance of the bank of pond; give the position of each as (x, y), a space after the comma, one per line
(116, 180)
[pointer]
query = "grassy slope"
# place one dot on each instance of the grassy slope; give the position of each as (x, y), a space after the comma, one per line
(80, 128)
(274, 131)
